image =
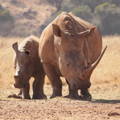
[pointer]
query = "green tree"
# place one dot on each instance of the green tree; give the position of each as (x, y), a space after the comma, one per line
(5, 15)
(109, 15)
(84, 12)
(91, 3)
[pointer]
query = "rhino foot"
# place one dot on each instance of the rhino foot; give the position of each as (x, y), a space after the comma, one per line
(26, 97)
(15, 96)
(73, 96)
(56, 95)
(23, 95)
(86, 97)
(39, 96)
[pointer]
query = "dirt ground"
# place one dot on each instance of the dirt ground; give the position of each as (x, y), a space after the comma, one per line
(105, 105)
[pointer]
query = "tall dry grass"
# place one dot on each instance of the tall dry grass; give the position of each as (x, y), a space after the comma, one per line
(6, 61)
(107, 72)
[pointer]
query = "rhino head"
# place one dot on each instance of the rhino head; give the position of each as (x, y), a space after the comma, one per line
(25, 55)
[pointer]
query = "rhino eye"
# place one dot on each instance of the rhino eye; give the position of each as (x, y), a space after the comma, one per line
(67, 19)
(27, 52)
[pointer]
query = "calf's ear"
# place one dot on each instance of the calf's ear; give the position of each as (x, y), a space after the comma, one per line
(15, 46)
(56, 30)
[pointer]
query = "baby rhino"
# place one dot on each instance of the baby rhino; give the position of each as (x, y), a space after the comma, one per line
(27, 64)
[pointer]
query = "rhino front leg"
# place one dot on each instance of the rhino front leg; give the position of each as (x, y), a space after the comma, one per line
(73, 91)
(85, 91)
(85, 94)
(54, 79)
(38, 87)
(25, 91)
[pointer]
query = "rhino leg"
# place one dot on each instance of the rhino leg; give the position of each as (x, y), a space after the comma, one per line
(85, 94)
(54, 79)
(84, 90)
(38, 87)
(73, 92)
(25, 91)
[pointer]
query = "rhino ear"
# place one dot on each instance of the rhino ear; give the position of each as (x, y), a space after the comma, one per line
(15, 46)
(56, 30)
(86, 32)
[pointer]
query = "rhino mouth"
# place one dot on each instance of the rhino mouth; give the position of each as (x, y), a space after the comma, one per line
(19, 82)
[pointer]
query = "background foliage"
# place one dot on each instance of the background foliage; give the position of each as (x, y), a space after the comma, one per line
(103, 13)
(22, 18)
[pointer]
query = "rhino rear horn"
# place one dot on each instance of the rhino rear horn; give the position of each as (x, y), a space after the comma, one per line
(86, 32)
(15, 46)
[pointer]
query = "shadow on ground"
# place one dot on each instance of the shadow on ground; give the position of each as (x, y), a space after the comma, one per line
(105, 101)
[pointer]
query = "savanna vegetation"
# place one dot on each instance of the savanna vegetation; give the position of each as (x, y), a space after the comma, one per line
(6, 21)
(103, 13)
(33, 16)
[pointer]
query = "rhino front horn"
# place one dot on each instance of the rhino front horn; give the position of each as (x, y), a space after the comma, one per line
(93, 66)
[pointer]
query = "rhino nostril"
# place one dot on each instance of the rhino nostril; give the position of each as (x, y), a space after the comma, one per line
(68, 64)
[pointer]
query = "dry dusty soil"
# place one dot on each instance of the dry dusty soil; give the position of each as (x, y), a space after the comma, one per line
(105, 105)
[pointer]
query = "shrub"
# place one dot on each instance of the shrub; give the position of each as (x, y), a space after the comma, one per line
(5, 15)
(103, 13)
(109, 15)
(83, 12)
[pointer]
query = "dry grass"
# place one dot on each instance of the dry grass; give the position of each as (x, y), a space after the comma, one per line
(6, 61)
(108, 71)
(105, 75)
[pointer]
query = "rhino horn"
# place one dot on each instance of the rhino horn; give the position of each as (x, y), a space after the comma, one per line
(90, 69)
(86, 32)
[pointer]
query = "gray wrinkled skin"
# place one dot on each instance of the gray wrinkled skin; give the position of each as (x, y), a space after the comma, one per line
(27, 64)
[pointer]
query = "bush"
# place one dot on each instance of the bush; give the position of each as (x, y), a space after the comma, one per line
(106, 15)
(67, 6)
(109, 15)
(83, 12)
(5, 15)
(6, 21)
(91, 3)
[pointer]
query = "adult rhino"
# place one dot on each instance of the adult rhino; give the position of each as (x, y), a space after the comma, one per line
(27, 65)
(70, 47)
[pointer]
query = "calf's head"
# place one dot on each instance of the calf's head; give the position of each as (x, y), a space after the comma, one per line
(24, 62)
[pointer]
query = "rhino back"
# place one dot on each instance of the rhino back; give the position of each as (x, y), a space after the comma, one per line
(46, 43)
